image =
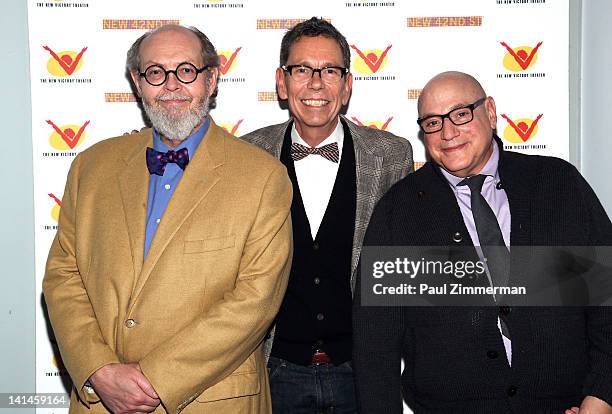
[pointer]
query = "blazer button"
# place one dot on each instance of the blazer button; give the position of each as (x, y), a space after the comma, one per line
(130, 323)
(492, 354)
(315, 246)
(457, 237)
(511, 391)
(421, 194)
(320, 316)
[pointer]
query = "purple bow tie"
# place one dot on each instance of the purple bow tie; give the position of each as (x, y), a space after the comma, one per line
(156, 161)
(329, 152)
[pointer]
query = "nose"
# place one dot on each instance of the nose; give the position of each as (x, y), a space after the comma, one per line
(449, 130)
(315, 81)
(172, 83)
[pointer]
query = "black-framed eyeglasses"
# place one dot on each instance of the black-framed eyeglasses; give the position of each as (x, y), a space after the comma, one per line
(458, 116)
(184, 72)
(303, 73)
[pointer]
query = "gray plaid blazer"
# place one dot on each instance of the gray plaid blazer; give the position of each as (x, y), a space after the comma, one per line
(381, 160)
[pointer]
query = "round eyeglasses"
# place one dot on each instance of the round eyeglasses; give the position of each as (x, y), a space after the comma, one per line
(458, 116)
(185, 72)
(303, 73)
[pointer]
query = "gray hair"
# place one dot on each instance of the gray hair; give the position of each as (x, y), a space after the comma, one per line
(314, 27)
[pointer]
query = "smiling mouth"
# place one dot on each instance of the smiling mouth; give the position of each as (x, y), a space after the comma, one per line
(454, 148)
(315, 102)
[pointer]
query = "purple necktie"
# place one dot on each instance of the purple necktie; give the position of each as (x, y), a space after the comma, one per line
(329, 151)
(156, 161)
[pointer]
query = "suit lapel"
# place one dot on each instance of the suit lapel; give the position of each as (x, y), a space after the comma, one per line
(134, 188)
(199, 177)
(275, 147)
(272, 140)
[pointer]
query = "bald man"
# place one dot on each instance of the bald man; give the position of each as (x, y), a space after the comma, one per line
(489, 359)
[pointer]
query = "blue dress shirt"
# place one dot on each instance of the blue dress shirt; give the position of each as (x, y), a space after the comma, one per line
(162, 187)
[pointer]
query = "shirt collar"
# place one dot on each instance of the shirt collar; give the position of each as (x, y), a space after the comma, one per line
(191, 143)
(490, 168)
(336, 136)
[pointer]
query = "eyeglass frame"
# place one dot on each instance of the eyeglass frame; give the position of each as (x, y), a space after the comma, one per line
(289, 68)
(166, 72)
(471, 107)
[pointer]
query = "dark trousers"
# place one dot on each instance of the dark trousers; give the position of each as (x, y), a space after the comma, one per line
(315, 389)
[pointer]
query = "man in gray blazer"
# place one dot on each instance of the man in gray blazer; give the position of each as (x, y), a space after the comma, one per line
(339, 171)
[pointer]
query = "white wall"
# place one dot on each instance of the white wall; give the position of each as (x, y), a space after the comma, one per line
(596, 114)
(17, 296)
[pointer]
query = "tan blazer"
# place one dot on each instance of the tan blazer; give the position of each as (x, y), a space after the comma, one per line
(195, 312)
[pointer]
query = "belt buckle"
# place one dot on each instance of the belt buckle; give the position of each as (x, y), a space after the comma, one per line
(320, 357)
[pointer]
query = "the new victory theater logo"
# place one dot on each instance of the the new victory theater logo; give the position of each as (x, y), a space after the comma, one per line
(64, 65)
(228, 59)
(520, 130)
(519, 60)
(369, 62)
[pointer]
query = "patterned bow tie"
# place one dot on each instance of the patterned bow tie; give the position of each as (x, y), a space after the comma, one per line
(156, 161)
(329, 152)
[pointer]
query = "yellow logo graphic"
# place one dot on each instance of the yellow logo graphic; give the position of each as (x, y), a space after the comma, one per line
(232, 128)
(370, 60)
(382, 125)
(227, 60)
(64, 63)
(66, 137)
(520, 58)
(519, 131)
(55, 210)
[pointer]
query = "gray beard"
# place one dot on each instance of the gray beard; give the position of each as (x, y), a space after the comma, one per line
(172, 126)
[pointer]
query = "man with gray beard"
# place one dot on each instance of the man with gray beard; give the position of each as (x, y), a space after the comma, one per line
(173, 250)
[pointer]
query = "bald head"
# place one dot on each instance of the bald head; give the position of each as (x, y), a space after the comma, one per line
(208, 52)
(456, 107)
(444, 81)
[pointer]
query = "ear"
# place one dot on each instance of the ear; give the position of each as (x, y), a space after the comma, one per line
(348, 87)
(136, 80)
(212, 80)
(281, 87)
(491, 111)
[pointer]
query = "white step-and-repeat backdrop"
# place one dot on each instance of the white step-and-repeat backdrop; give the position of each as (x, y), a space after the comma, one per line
(518, 49)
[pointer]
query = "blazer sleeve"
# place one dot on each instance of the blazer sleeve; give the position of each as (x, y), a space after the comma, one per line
(219, 341)
(377, 337)
(407, 158)
(74, 323)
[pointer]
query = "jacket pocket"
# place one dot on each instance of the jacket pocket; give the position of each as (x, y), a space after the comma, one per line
(242, 382)
(207, 245)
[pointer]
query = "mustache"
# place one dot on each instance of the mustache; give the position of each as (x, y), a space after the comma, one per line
(173, 97)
